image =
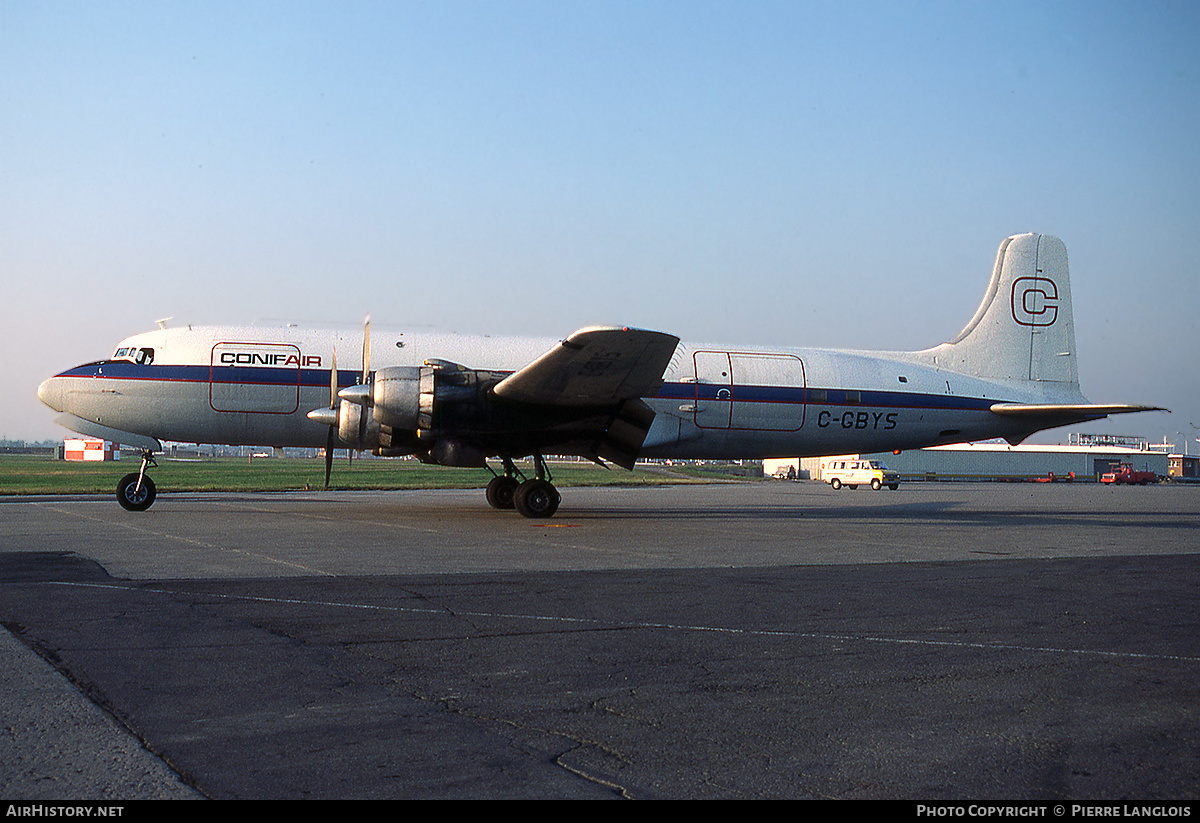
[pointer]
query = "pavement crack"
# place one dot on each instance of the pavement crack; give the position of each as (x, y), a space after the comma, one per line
(450, 704)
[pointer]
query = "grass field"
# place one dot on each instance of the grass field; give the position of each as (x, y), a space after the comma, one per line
(21, 474)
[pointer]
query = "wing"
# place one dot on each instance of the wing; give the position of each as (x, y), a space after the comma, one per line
(597, 366)
(591, 385)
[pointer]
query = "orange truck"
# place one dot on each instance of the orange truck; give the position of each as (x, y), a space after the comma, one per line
(1125, 475)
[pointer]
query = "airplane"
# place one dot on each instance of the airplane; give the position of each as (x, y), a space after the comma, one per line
(606, 393)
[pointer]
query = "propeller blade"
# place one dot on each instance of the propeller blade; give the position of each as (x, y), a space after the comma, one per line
(330, 439)
(333, 382)
(365, 379)
(366, 359)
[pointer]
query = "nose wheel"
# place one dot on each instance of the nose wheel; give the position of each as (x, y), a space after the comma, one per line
(136, 491)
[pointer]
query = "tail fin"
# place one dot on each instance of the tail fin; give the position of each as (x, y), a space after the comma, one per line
(1024, 328)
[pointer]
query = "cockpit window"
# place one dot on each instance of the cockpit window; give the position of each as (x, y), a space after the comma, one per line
(143, 357)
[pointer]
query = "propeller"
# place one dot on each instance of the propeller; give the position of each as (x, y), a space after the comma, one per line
(359, 394)
(365, 380)
(331, 437)
(329, 417)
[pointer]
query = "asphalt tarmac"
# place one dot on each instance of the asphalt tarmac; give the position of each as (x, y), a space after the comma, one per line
(752, 640)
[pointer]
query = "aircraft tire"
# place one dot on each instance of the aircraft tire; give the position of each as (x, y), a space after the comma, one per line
(133, 499)
(501, 491)
(536, 499)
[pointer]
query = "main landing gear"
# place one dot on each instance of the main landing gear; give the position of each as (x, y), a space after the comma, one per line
(136, 490)
(531, 498)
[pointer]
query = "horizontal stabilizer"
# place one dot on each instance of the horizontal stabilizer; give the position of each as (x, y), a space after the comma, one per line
(1066, 410)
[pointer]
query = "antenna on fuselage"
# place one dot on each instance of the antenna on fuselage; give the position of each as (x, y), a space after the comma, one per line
(162, 323)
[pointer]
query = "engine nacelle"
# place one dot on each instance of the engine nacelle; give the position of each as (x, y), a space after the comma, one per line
(402, 409)
(450, 452)
(403, 397)
(356, 426)
(409, 404)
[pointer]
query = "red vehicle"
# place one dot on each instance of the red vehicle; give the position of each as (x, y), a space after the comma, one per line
(1051, 477)
(1126, 475)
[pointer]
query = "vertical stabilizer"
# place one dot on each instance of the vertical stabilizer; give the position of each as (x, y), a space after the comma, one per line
(1024, 328)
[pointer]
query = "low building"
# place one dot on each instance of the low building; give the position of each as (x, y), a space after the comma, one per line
(996, 462)
(1184, 467)
(1000, 461)
(87, 448)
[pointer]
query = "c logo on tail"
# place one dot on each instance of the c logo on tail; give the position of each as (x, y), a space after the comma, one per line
(1034, 301)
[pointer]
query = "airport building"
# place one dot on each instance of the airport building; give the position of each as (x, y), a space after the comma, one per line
(1184, 467)
(88, 448)
(1085, 458)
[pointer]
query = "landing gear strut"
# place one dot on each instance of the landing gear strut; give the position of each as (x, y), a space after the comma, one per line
(535, 497)
(136, 490)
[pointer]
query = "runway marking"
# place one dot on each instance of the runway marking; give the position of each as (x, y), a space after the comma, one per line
(616, 624)
(199, 543)
(328, 518)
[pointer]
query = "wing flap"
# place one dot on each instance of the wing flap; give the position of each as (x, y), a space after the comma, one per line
(596, 366)
(622, 439)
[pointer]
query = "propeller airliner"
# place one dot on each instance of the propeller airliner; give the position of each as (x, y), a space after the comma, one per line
(606, 393)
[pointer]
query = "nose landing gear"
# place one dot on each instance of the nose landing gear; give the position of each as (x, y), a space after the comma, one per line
(136, 491)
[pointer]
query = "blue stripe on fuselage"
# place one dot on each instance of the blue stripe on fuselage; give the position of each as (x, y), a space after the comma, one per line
(305, 378)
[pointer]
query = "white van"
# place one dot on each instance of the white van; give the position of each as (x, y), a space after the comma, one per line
(844, 472)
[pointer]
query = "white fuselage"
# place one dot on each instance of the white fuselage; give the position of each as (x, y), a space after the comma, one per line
(255, 385)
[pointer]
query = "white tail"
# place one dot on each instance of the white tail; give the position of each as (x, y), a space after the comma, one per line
(1024, 328)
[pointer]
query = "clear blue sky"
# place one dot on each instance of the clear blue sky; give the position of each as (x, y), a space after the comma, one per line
(777, 173)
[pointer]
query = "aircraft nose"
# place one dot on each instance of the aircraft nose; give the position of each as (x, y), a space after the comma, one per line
(50, 393)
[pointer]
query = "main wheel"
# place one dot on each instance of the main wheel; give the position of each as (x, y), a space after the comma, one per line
(500, 492)
(131, 497)
(536, 498)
